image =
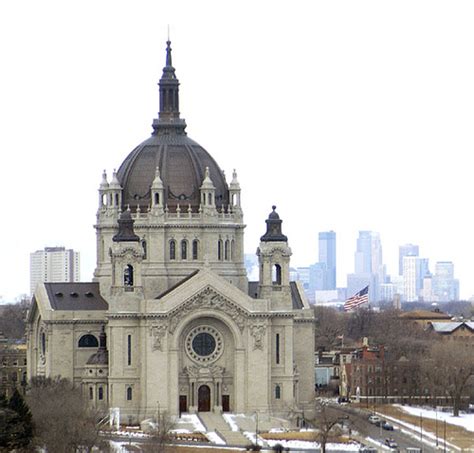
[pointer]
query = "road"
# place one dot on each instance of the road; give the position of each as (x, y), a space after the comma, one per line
(358, 421)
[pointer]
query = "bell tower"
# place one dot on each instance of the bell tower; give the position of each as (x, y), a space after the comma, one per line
(274, 261)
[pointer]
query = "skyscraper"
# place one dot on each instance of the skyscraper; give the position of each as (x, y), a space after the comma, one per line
(327, 256)
(415, 269)
(406, 250)
(368, 264)
(445, 286)
(54, 264)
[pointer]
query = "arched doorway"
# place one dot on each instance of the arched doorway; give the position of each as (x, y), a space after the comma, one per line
(204, 398)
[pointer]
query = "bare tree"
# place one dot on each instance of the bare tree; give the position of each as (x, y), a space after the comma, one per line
(449, 368)
(326, 422)
(329, 326)
(64, 422)
(160, 434)
(12, 319)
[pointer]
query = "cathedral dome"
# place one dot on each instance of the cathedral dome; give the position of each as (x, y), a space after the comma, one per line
(181, 161)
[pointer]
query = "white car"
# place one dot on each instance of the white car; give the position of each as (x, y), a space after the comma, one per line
(374, 419)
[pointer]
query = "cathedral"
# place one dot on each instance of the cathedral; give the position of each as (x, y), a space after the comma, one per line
(170, 321)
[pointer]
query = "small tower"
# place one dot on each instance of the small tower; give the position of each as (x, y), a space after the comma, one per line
(208, 194)
(126, 256)
(103, 192)
(157, 193)
(274, 260)
(115, 193)
(234, 193)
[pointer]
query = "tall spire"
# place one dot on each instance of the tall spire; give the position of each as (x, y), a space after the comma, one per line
(168, 121)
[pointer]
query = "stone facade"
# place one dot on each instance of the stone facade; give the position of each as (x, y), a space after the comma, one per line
(170, 321)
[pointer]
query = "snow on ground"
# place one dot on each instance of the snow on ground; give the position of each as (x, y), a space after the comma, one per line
(464, 420)
(379, 444)
(414, 432)
(193, 420)
(230, 419)
(305, 445)
(215, 438)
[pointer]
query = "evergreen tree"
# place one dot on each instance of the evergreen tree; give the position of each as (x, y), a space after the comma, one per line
(21, 424)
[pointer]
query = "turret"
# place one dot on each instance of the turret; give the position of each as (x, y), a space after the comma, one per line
(103, 192)
(115, 192)
(208, 194)
(126, 256)
(274, 259)
(234, 193)
(157, 193)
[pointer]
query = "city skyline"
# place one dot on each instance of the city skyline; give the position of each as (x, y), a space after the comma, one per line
(350, 117)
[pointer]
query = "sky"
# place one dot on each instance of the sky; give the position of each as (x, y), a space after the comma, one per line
(347, 115)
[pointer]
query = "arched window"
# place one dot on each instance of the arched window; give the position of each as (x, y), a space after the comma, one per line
(129, 394)
(88, 341)
(232, 250)
(116, 199)
(226, 250)
(277, 392)
(219, 250)
(184, 249)
(276, 274)
(128, 275)
(195, 249)
(91, 393)
(172, 249)
(101, 393)
(43, 342)
(157, 198)
(209, 199)
(203, 198)
(144, 249)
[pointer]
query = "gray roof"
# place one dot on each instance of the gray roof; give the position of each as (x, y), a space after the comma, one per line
(448, 327)
(75, 296)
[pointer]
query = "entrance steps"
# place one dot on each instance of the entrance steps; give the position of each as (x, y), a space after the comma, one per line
(215, 422)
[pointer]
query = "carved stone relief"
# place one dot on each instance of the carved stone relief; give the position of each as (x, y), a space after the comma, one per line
(157, 332)
(258, 333)
(208, 299)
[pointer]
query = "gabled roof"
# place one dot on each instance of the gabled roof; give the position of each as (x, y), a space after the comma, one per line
(177, 285)
(75, 296)
(449, 327)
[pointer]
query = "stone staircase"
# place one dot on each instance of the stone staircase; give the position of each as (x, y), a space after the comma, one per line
(215, 422)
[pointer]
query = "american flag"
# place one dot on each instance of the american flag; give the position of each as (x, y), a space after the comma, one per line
(357, 299)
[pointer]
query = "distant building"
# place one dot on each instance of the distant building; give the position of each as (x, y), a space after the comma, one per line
(445, 286)
(415, 269)
(54, 264)
(406, 250)
(459, 331)
(327, 256)
(368, 264)
(425, 317)
(13, 366)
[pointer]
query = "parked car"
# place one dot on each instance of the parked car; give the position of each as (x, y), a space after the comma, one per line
(374, 419)
(387, 426)
(391, 443)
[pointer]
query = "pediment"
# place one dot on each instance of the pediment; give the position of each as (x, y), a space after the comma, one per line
(207, 291)
(208, 299)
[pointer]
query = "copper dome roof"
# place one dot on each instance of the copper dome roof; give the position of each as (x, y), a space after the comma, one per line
(182, 161)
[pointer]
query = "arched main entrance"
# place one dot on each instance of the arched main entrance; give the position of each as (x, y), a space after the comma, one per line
(204, 398)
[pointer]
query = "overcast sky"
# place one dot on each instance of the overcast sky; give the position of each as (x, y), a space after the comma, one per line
(348, 115)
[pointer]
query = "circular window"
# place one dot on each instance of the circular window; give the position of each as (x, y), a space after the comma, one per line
(204, 344)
